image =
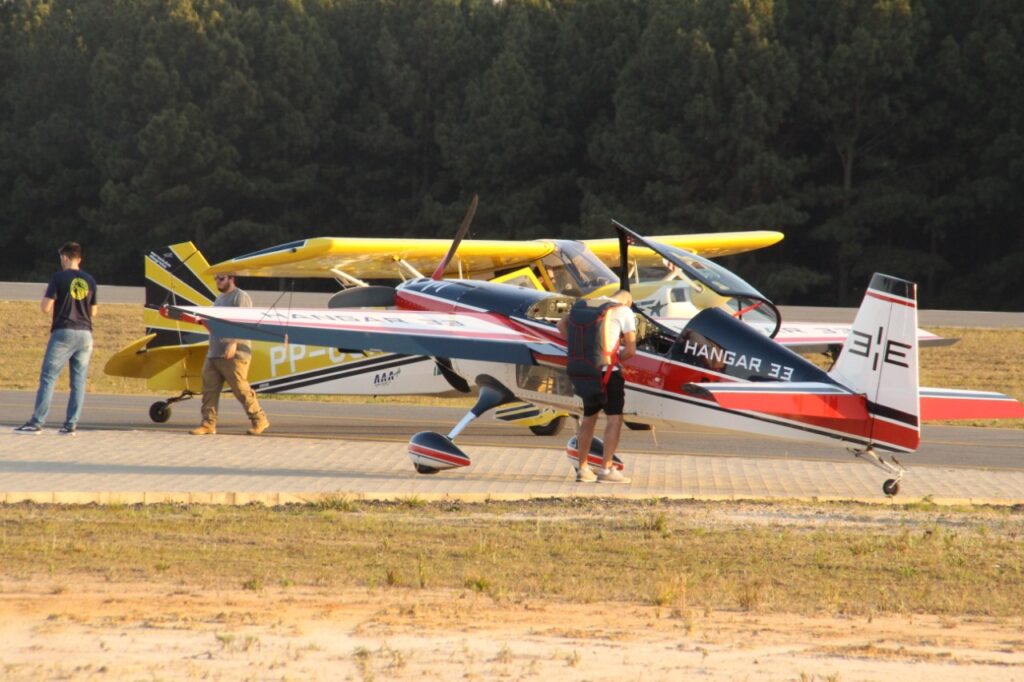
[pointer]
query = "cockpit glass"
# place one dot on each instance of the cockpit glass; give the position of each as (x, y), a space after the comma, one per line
(720, 279)
(575, 270)
(704, 283)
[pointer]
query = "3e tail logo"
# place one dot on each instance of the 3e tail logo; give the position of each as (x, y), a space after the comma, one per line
(893, 353)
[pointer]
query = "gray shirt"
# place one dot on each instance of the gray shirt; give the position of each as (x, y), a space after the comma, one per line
(235, 298)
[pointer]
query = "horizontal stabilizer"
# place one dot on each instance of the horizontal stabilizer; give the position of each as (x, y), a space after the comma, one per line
(952, 404)
(139, 361)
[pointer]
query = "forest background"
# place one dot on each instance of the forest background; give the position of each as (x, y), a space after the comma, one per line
(877, 134)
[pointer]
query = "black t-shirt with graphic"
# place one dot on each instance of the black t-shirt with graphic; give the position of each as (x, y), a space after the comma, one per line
(74, 295)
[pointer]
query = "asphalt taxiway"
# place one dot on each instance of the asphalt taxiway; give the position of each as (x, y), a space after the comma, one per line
(318, 449)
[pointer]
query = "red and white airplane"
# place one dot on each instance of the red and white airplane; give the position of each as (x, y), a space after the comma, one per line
(717, 371)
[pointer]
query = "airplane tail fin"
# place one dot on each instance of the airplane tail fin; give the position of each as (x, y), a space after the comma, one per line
(171, 353)
(175, 275)
(880, 361)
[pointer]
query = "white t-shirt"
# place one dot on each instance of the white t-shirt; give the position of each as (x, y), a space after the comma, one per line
(617, 322)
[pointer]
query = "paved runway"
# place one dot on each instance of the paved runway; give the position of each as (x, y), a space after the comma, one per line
(317, 449)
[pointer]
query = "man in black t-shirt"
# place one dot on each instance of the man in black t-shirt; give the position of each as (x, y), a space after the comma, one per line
(71, 298)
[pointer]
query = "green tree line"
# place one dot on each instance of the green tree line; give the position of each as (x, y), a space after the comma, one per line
(879, 135)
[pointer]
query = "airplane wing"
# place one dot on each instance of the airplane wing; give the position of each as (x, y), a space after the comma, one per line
(469, 336)
(709, 245)
(371, 258)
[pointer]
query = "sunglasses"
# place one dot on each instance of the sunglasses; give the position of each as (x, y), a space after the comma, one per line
(221, 278)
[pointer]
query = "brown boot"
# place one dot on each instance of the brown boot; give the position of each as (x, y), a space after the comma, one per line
(259, 425)
(204, 429)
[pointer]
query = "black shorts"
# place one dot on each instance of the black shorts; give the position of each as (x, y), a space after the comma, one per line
(612, 401)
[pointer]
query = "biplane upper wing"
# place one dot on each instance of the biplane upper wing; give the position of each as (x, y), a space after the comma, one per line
(708, 245)
(372, 258)
(376, 258)
(469, 336)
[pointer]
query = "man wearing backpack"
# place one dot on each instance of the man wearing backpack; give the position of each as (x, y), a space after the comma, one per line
(601, 334)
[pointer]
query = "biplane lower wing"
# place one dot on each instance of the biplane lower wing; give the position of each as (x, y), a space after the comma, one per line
(467, 336)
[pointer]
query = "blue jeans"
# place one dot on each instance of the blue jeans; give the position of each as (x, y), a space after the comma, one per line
(74, 348)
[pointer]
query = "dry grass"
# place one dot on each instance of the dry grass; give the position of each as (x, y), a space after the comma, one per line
(860, 561)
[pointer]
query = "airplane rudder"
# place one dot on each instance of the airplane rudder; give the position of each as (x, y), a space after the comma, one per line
(880, 356)
(177, 273)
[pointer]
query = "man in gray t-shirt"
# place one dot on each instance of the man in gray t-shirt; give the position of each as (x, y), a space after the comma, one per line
(227, 360)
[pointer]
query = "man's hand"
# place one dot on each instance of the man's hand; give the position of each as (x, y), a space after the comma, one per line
(229, 351)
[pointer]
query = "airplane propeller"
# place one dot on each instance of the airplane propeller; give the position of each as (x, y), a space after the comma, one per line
(384, 296)
(463, 229)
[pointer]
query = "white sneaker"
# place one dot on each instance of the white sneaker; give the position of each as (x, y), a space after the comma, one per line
(611, 476)
(585, 475)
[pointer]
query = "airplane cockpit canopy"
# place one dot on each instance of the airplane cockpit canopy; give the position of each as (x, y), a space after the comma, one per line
(707, 284)
(574, 270)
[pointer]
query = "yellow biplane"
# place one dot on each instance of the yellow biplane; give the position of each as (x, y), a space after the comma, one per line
(171, 354)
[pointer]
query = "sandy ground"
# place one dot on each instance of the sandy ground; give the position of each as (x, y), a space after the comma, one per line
(109, 631)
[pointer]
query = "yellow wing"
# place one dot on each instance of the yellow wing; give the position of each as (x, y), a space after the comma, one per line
(371, 258)
(709, 245)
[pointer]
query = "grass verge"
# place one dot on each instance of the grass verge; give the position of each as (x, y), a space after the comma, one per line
(792, 558)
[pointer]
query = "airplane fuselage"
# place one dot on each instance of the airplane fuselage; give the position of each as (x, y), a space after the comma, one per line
(713, 348)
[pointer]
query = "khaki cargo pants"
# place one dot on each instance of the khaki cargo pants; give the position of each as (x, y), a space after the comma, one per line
(217, 371)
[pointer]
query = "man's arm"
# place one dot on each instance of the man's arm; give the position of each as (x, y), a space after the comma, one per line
(46, 305)
(628, 347)
(563, 327)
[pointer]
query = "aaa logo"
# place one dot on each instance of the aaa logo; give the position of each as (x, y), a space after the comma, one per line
(79, 289)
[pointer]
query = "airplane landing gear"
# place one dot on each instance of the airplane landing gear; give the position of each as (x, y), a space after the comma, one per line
(891, 487)
(550, 429)
(160, 411)
(431, 452)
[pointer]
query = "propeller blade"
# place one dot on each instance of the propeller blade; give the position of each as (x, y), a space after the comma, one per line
(463, 229)
(623, 261)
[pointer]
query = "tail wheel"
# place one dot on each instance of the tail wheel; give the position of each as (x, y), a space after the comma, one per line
(552, 428)
(160, 412)
(891, 487)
